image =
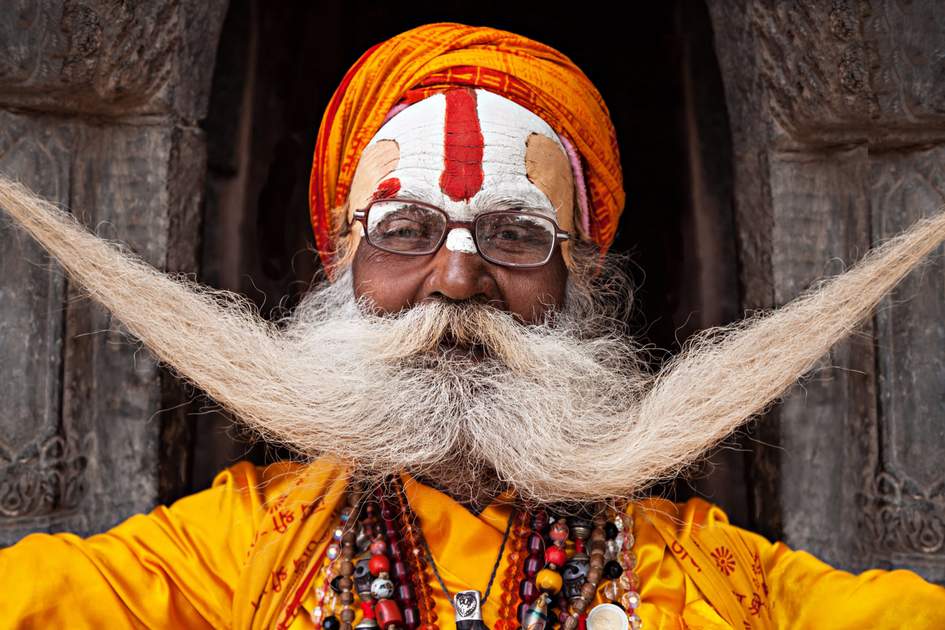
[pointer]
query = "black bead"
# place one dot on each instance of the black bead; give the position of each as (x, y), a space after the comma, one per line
(331, 623)
(613, 570)
(610, 530)
(334, 583)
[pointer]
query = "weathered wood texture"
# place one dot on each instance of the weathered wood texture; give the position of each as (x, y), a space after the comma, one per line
(98, 105)
(838, 116)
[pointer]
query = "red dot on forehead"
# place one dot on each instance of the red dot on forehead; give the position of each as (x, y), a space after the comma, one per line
(462, 146)
(386, 189)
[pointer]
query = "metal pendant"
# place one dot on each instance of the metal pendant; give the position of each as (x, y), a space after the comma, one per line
(607, 617)
(537, 616)
(468, 607)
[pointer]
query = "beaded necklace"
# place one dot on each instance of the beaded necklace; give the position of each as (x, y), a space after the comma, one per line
(571, 573)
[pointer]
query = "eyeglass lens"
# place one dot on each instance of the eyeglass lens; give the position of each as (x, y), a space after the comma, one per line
(505, 237)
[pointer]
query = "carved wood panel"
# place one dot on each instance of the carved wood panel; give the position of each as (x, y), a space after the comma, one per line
(838, 124)
(106, 96)
(109, 57)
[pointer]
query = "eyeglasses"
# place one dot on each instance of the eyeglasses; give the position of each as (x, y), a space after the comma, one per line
(503, 237)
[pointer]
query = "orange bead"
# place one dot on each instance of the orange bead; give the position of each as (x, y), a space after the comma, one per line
(548, 581)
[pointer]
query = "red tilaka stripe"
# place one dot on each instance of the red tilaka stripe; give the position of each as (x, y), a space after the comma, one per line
(462, 146)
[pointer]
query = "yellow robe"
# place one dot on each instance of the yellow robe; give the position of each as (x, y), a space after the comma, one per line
(244, 554)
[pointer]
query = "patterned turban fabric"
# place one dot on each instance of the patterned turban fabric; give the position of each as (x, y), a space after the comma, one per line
(436, 57)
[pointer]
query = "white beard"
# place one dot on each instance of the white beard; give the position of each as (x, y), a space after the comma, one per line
(396, 392)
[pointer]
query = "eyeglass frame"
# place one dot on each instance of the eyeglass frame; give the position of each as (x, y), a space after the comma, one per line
(361, 217)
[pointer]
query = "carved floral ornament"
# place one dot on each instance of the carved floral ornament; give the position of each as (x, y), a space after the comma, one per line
(899, 515)
(44, 477)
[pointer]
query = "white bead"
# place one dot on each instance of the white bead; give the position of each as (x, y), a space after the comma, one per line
(635, 622)
(612, 550)
(382, 588)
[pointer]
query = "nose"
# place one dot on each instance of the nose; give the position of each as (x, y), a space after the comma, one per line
(460, 275)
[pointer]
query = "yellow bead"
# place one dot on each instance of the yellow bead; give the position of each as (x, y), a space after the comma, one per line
(548, 581)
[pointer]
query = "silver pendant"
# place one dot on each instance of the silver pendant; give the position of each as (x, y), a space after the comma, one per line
(607, 617)
(468, 609)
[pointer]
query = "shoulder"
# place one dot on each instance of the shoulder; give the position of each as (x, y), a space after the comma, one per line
(682, 517)
(243, 493)
(278, 478)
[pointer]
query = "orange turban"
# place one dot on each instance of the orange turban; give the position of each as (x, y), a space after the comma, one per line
(436, 57)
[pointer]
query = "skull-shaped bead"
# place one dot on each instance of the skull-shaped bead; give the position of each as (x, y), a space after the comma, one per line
(574, 573)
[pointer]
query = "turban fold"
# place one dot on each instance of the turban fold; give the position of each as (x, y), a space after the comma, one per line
(436, 57)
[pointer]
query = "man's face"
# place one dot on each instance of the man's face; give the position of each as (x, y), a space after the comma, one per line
(467, 152)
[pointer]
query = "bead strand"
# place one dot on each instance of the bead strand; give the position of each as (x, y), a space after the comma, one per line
(405, 594)
(528, 590)
(348, 532)
(514, 575)
(629, 581)
(425, 603)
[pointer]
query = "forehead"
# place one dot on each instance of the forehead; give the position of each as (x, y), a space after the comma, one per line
(469, 151)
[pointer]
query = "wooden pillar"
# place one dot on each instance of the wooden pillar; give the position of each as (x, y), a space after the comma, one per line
(838, 120)
(99, 107)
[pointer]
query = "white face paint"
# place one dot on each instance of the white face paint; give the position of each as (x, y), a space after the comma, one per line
(465, 152)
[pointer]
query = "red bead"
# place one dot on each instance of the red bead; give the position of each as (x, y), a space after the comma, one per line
(535, 544)
(378, 546)
(388, 612)
(532, 566)
(367, 609)
(400, 571)
(582, 622)
(378, 565)
(411, 618)
(528, 591)
(405, 593)
(559, 531)
(556, 556)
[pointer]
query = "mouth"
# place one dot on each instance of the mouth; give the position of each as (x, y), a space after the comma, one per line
(452, 348)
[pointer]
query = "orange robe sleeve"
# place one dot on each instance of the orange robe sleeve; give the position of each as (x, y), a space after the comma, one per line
(753, 583)
(173, 568)
(808, 593)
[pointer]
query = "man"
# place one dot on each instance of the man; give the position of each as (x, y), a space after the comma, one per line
(475, 418)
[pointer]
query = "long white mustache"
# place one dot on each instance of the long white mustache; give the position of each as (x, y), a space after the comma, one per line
(559, 411)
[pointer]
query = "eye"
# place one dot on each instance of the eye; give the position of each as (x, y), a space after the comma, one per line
(405, 227)
(400, 227)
